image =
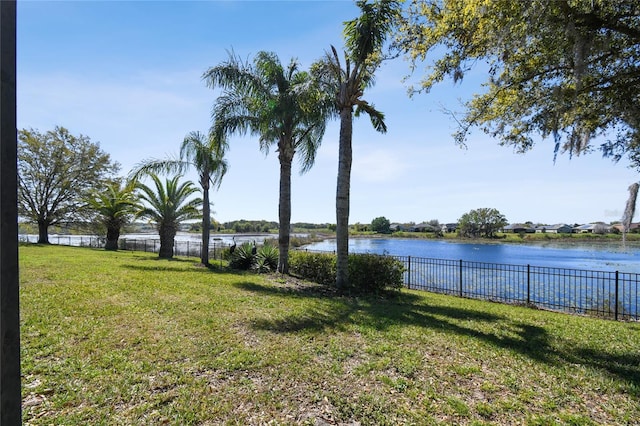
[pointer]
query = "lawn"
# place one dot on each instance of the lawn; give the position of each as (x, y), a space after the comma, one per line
(122, 338)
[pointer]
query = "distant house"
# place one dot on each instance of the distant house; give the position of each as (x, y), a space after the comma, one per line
(632, 228)
(396, 227)
(593, 228)
(450, 227)
(422, 227)
(561, 228)
(518, 228)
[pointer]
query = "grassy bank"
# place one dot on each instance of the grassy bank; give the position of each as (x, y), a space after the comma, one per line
(126, 339)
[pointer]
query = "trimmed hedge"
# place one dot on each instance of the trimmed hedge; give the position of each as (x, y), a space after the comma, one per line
(368, 273)
(317, 267)
(373, 273)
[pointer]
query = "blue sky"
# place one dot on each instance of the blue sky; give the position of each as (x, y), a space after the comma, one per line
(128, 75)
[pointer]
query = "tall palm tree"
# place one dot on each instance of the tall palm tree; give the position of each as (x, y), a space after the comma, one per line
(115, 207)
(283, 106)
(206, 155)
(629, 211)
(167, 206)
(364, 39)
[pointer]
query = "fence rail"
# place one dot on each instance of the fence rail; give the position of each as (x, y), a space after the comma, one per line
(180, 248)
(610, 294)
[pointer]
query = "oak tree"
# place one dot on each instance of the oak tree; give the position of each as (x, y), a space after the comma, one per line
(481, 223)
(57, 172)
(566, 69)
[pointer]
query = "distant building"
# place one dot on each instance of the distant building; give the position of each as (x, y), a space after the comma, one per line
(518, 228)
(397, 227)
(632, 228)
(592, 228)
(561, 228)
(450, 227)
(422, 227)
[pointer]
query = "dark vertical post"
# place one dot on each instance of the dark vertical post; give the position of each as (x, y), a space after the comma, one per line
(460, 277)
(615, 309)
(409, 273)
(10, 398)
(528, 285)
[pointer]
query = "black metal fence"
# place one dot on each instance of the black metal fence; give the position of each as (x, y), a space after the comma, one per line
(180, 248)
(610, 294)
(67, 240)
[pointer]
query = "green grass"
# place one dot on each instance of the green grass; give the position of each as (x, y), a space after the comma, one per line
(121, 338)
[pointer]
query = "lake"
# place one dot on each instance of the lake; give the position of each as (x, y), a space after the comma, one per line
(598, 257)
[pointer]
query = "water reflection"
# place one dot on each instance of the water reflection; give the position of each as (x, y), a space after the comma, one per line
(584, 256)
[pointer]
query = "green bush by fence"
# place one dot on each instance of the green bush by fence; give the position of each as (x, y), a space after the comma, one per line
(368, 273)
(373, 273)
(317, 267)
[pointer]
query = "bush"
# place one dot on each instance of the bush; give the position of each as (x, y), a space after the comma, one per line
(368, 273)
(243, 257)
(373, 273)
(266, 259)
(317, 267)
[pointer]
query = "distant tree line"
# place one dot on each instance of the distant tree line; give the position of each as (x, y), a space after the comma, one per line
(246, 226)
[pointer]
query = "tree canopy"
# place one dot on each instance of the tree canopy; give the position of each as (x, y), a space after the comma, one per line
(347, 80)
(283, 106)
(483, 222)
(205, 153)
(56, 173)
(167, 205)
(566, 69)
(115, 206)
(381, 225)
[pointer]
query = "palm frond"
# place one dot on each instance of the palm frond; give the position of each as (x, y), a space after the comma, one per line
(169, 203)
(158, 166)
(366, 34)
(377, 117)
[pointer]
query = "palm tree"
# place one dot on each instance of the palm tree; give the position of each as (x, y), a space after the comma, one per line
(283, 106)
(167, 206)
(364, 39)
(629, 211)
(206, 155)
(115, 207)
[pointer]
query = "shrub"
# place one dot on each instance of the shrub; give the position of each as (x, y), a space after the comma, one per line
(317, 267)
(368, 273)
(267, 258)
(243, 257)
(373, 273)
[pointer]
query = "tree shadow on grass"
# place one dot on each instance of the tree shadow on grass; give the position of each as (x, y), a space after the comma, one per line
(410, 309)
(171, 265)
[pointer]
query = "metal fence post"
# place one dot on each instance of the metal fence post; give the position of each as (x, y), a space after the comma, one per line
(615, 308)
(528, 284)
(409, 272)
(460, 277)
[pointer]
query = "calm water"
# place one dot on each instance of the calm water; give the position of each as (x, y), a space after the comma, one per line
(590, 257)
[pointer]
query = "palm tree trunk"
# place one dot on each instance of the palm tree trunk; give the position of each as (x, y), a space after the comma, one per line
(629, 211)
(342, 198)
(284, 208)
(206, 224)
(113, 233)
(167, 239)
